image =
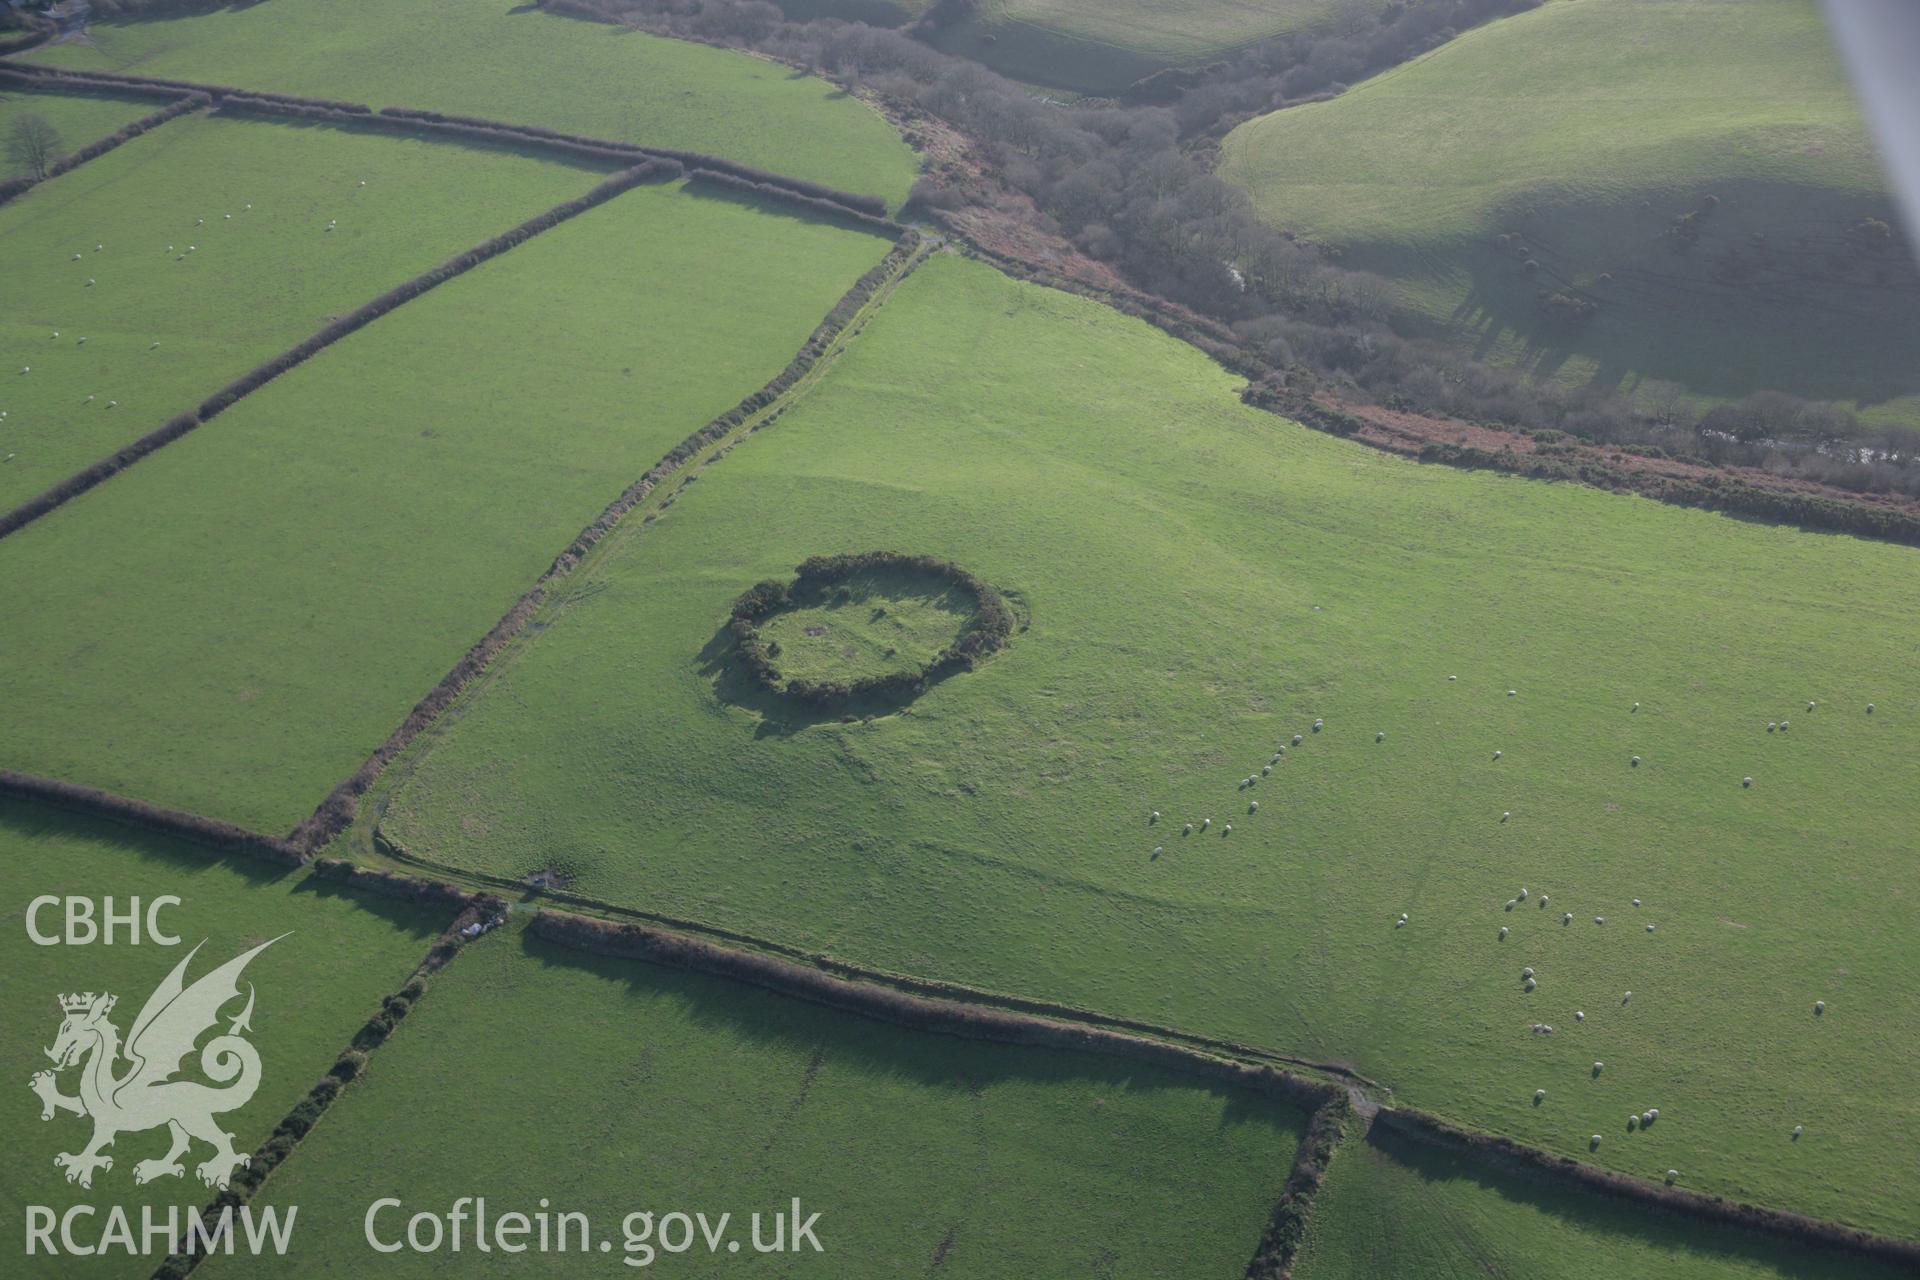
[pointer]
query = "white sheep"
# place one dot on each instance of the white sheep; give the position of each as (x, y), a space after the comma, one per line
(1819, 1007)
(227, 216)
(1772, 726)
(1453, 677)
(97, 248)
(1646, 1118)
(80, 343)
(199, 222)
(113, 404)
(89, 282)
(1595, 1139)
(1506, 814)
(1318, 724)
(245, 207)
(1187, 830)
(1153, 817)
(1649, 928)
(1496, 755)
(1655, 1113)
(1636, 762)
(10, 457)
(1547, 1030)
(1205, 823)
(1812, 705)
(1784, 724)
(1512, 903)
(1796, 1131)
(1599, 919)
(1869, 708)
(1636, 706)
(1266, 770)
(1598, 1067)
(1673, 1175)
(1523, 893)
(1747, 781)
(1636, 902)
(1379, 737)
(1512, 692)
(1527, 972)
(1227, 830)
(88, 400)
(1567, 918)
(1253, 807)
(1633, 1122)
(1530, 984)
(76, 257)
(1579, 1015)
(1503, 931)
(1159, 849)
(26, 369)
(1539, 1095)
(56, 333)
(1401, 923)
(1543, 900)
(1626, 998)
(1296, 739)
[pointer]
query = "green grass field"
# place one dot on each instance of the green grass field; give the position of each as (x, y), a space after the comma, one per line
(313, 991)
(1202, 582)
(1396, 1208)
(233, 624)
(1102, 46)
(78, 120)
(609, 1088)
(258, 279)
(882, 622)
(516, 64)
(1586, 130)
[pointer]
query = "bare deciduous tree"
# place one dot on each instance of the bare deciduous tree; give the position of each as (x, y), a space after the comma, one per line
(33, 145)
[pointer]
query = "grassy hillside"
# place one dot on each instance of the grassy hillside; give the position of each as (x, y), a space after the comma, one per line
(1200, 581)
(1580, 137)
(233, 624)
(79, 120)
(1102, 46)
(251, 200)
(611, 1088)
(1390, 1207)
(518, 64)
(314, 989)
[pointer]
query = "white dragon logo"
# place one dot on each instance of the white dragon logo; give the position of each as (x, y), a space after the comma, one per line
(147, 1096)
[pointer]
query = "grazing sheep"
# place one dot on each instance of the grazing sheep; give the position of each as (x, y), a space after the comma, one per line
(1747, 781)
(1227, 830)
(1646, 1118)
(1819, 1007)
(1636, 902)
(1496, 755)
(1187, 830)
(1633, 1122)
(1673, 1175)
(1253, 807)
(76, 257)
(1636, 762)
(1318, 724)
(192, 248)
(26, 368)
(1379, 737)
(1512, 903)
(1453, 677)
(1266, 770)
(1512, 692)
(1400, 923)
(1546, 1030)
(113, 404)
(56, 333)
(1636, 706)
(245, 207)
(1539, 1095)
(1276, 756)
(1296, 739)
(1205, 823)
(1796, 1133)
(199, 222)
(1530, 984)
(1655, 1113)
(1812, 705)
(227, 216)
(1506, 814)
(1567, 918)
(89, 282)
(10, 457)
(88, 400)
(1599, 919)
(1159, 849)
(1543, 899)
(1598, 1067)
(1527, 972)
(1784, 724)
(1771, 726)
(1594, 1140)
(1154, 816)
(80, 343)
(1523, 893)
(1869, 708)
(1503, 932)
(1626, 998)
(1579, 1015)
(1649, 928)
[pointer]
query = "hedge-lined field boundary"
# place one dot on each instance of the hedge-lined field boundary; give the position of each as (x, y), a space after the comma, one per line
(815, 197)
(114, 463)
(1716, 1210)
(13, 188)
(1287, 1228)
(916, 1013)
(149, 817)
(481, 909)
(336, 811)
